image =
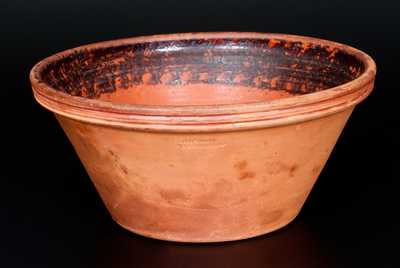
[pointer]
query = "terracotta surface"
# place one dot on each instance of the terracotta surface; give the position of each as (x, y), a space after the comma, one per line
(204, 137)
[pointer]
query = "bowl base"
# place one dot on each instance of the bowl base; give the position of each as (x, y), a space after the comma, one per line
(188, 239)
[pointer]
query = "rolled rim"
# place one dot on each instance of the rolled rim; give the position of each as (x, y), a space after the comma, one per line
(206, 117)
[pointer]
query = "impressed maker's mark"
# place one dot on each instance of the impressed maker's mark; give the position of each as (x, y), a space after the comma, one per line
(197, 143)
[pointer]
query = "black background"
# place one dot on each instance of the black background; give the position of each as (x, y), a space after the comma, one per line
(51, 215)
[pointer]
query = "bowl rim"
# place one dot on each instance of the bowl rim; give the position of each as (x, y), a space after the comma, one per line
(301, 107)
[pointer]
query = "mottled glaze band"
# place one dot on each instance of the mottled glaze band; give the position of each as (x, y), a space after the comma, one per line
(296, 67)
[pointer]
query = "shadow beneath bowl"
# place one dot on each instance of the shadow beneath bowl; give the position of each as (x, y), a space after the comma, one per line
(291, 246)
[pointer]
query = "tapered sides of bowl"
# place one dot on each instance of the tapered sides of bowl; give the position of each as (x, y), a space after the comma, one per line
(205, 187)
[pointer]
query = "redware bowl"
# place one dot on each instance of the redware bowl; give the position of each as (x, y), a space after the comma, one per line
(204, 137)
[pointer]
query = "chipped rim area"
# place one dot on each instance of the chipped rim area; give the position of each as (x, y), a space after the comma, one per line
(206, 118)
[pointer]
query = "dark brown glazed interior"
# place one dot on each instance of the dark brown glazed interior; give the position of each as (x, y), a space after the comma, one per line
(201, 71)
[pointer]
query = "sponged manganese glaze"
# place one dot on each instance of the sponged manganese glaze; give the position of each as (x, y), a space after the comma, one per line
(204, 137)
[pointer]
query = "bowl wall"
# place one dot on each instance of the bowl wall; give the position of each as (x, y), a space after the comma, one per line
(205, 187)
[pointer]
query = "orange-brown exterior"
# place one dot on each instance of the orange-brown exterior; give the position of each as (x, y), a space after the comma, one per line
(206, 173)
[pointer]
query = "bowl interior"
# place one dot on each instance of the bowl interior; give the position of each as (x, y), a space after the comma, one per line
(209, 71)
